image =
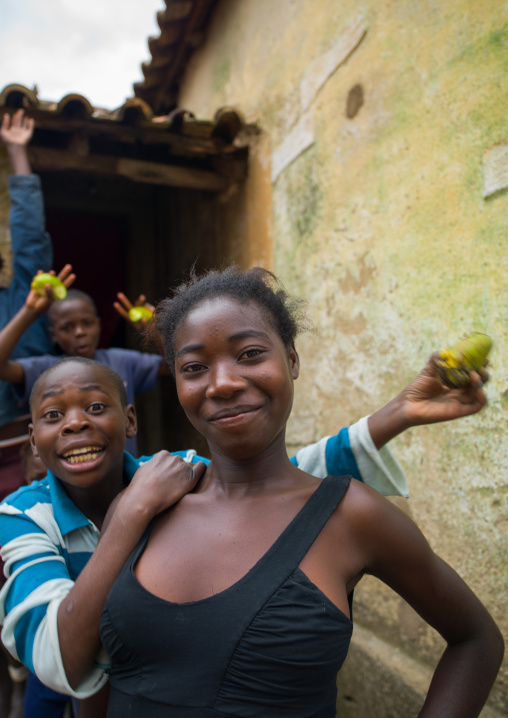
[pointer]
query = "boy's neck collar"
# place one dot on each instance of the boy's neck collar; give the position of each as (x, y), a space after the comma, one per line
(67, 515)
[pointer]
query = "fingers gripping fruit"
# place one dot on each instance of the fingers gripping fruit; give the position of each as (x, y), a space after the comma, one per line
(136, 314)
(58, 288)
(454, 365)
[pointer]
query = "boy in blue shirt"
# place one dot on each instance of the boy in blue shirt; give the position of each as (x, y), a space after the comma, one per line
(57, 578)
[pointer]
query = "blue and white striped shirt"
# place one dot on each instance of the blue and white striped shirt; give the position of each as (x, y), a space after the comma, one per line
(46, 542)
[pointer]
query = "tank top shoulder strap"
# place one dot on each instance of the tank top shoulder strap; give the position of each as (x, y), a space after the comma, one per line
(296, 539)
(283, 557)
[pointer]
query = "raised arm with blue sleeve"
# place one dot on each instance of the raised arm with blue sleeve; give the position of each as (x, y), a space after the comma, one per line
(31, 248)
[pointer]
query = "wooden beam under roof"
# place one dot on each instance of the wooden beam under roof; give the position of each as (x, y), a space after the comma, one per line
(49, 160)
(196, 138)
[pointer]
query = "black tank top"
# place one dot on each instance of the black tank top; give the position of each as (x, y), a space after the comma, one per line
(270, 645)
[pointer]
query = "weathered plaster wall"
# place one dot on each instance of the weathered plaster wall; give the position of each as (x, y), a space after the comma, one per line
(382, 224)
(243, 212)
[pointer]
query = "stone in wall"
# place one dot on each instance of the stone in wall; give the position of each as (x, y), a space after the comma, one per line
(495, 169)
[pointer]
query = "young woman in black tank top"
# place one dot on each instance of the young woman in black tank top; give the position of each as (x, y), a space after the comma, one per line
(237, 600)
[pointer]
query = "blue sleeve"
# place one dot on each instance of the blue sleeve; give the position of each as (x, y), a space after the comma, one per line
(191, 456)
(32, 250)
(187, 454)
(339, 456)
(38, 580)
(36, 572)
(139, 369)
(31, 244)
(331, 455)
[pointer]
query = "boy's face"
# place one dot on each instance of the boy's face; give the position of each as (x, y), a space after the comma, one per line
(75, 327)
(80, 426)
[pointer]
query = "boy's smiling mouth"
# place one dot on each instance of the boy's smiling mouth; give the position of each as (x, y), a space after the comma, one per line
(82, 454)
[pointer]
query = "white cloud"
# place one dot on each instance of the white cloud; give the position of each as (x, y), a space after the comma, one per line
(94, 47)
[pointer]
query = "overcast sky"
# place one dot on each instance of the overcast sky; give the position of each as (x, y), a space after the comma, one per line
(94, 47)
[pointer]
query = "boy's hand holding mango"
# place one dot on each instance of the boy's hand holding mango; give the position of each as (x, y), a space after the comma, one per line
(138, 314)
(46, 287)
(44, 282)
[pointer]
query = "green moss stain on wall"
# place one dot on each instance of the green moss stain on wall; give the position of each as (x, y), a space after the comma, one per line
(490, 47)
(304, 197)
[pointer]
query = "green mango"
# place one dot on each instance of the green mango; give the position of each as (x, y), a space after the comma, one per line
(454, 365)
(58, 288)
(136, 314)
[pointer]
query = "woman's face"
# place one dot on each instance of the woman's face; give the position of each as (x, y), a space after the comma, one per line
(234, 376)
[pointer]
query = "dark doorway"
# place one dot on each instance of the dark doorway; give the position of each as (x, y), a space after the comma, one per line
(96, 246)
